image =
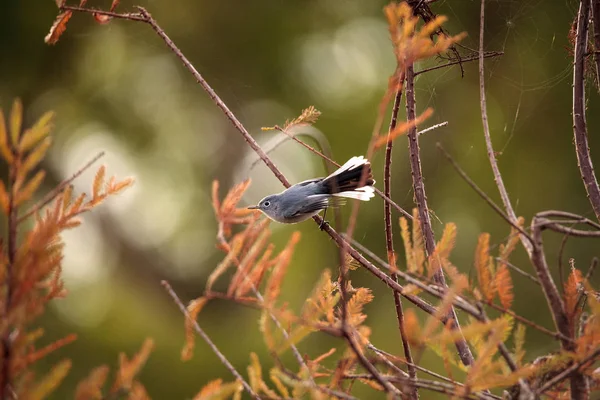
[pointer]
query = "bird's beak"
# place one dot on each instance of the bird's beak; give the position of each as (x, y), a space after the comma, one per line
(253, 208)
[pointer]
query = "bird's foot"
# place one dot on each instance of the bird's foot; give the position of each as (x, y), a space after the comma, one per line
(324, 224)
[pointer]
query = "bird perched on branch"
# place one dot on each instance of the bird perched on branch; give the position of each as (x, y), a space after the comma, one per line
(353, 180)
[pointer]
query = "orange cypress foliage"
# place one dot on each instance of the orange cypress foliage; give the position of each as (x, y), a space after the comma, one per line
(91, 387)
(193, 310)
(503, 285)
(411, 45)
(442, 250)
(309, 116)
(128, 369)
(30, 263)
(257, 245)
(283, 260)
(257, 273)
(356, 305)
(571, 296)
(49, 382)
(59, 27)
(482, 265)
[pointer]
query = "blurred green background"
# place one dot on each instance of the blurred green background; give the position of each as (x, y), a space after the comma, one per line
(117, 88)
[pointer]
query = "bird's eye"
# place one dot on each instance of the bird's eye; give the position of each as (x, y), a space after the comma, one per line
(266, 203)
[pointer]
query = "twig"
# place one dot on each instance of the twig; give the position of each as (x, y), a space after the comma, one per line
(584, 160)
(58, 189)
(128, 16)
(596, 21)
(351, 338)
(593, 266)
(385, 198)
(510, 212)
(462, 346)
(434, 386)
(561, 274)
(389, 241)
(387, 355)
(431, 128)
(518, 270)
(568, 372)
(481, 193)
(6, 364)
(208, 341)
(579, 387)
(215, 98)
(462, 60)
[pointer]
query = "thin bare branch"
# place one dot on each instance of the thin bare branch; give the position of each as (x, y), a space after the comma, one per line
(518, 270)
(487, 54)
(58, 189)
(510, 212)
(481, 193)
(584, 160)
(462, 346)
(389, 241)
(569, 371)
(208, 341)
(431, 128)
(128, 16)
(596, 22)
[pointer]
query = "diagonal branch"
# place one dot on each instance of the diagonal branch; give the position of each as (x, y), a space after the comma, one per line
(596, 21)
(582, 148)
(210, 343)
(389, 241)
(462, 346)
(488, 140)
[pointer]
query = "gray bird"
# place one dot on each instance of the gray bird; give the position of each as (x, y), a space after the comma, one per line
(306, 199)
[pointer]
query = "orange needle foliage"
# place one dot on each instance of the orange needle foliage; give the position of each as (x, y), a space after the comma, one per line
(30, 260)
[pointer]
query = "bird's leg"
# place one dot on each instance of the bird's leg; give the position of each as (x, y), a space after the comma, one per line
(324, 223)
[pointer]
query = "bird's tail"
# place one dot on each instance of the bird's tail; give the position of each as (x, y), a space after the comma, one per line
(346, 180)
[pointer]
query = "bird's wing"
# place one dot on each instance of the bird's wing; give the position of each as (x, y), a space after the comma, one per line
(308, 181)
(312, 204)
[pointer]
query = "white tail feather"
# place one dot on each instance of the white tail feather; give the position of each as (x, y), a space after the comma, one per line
(364, 193)
(352, 163)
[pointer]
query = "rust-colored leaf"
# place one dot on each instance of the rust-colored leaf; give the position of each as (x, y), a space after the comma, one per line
(98, 181)
(58, 27)
(513, 240)
(5, 150)
(218, 390)
(115, 187)
(442, 250)
(402, 128)
(4, 200)
(503, 285)
(91, 387)
(236, 247)
(482, 265)
(405, 233)
(35, 157)
(50, 382)
(35, 356)
(128, 369)
(114, 5)
(242, 275)
(257, 273)
(571, 295)
(193, 310)
(30, 187)
(356, 304)
(412, 328)
(16, 121)
(37, 132)
(102, 19)
(283, 260)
